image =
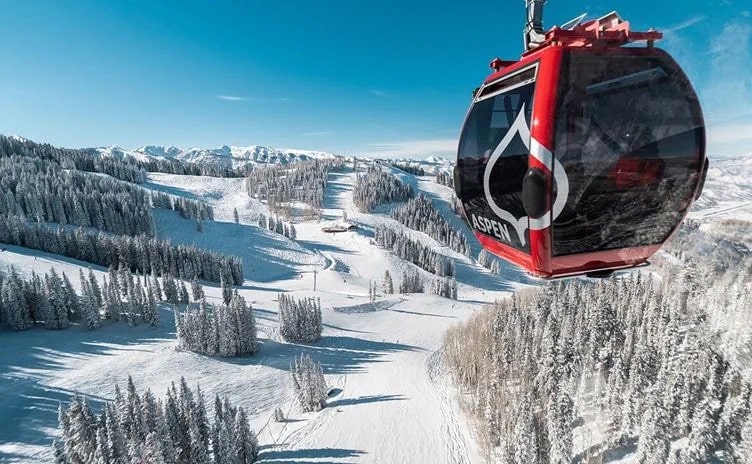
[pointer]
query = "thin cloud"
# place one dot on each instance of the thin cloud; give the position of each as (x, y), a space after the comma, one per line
(379, 93)
(317, 133)
(685, 24)
(447, 147)
(232, 98)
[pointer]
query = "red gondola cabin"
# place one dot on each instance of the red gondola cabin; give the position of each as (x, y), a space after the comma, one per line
(585, 155)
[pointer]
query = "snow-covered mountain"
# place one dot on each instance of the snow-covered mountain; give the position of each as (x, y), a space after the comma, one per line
(228, 156)
(728, 190)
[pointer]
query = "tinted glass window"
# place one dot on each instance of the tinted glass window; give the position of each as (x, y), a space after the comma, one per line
(487, 124)
(629, 135)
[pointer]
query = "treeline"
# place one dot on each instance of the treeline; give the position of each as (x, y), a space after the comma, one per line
(445, 178)
(408, 168)
(188, 209)
(456, 206)
(299, 321)
(186, 168)
(413, 251)
(87, 160)
(224, 330)
(411, 282)
(420, 214)
(140, 428)
(52, 302)
(278, 226)
(139, 254)
(283, 185)
(633, 358)
(40, 190)
(489, 261)
(375, 188)
(445, 287)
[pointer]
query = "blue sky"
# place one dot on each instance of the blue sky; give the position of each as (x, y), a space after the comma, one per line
(388, 77)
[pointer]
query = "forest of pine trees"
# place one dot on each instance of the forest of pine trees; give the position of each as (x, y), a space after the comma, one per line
(445, 178)
(633, 356)
(41, 190)
(411, 282)
(489, 261)
(282, 185)
(446, 287)
(300, 321)
(278, 226)
(50, 301)
(408, 168)
(143, 429)
(224, 330)
(309, 384)
(186, 168)
(188, 209)
(140, 254)
(376, 187)
(420, 214)
(87, 160)
(413, 251)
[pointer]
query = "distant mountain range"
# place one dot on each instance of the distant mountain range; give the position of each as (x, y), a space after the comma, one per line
(234, 156)
(225, 155)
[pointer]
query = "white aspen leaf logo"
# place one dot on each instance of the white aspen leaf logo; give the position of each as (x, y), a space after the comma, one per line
(520, 225)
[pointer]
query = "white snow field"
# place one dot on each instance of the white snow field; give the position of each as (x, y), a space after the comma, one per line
(392, 401)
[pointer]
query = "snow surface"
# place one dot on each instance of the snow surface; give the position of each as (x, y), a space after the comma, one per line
(728, 190)
(393, 403)
(393, 400)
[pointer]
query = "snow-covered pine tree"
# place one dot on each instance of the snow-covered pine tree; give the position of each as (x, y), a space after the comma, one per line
(197, 290)
(246, 443)
(170, 289)
(226, 285)
(309, 383)
(89, 305)
(12, 299)
(388, 285)
(183, 298)
(57, 316)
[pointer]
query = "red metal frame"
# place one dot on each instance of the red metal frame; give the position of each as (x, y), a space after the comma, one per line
(608, 34)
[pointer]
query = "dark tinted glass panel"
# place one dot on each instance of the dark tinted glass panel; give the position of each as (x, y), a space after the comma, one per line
(487, 124)
(629, 135)
(525, 75)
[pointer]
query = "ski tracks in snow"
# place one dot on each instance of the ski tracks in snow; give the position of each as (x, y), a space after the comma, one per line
(456, 445)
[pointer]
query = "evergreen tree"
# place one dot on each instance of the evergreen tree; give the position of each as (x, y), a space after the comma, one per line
(309, 383)
(226, 290)
(196, 289)
(388, 285)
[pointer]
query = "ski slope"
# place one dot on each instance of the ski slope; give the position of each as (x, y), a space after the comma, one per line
(391, 398)
(392, 401)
